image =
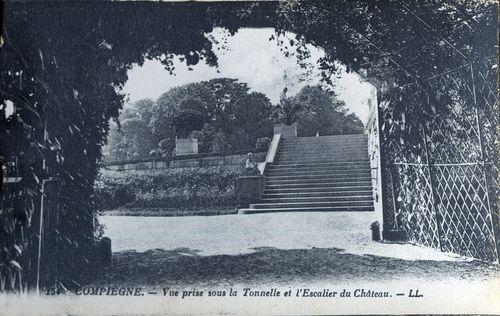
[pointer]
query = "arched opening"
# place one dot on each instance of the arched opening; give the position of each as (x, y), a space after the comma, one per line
(64, 97)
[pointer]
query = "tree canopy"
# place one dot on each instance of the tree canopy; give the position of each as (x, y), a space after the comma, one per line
(226, 107)
(132, 138)
(324, 114)
(222, 113)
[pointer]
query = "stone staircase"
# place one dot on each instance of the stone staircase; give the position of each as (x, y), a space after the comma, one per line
(326, 173)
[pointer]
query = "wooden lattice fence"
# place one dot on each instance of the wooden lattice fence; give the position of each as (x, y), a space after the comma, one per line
(444, 194)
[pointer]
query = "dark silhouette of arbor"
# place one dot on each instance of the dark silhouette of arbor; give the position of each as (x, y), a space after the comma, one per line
(64, 89)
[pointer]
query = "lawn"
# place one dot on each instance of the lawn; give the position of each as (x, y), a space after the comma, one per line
(284, 249)
(176, 211)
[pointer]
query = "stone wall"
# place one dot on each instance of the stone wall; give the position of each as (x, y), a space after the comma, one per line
(192, 161)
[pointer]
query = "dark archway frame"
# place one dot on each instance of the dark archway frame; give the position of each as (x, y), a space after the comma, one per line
(61, 64)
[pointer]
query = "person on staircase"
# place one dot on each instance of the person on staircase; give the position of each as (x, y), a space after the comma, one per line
(251, 165)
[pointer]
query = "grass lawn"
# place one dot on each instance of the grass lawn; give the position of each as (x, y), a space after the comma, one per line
(287, 249)
(162, 211)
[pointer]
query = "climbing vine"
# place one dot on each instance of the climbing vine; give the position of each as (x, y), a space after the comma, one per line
(61, 67)
(399, 45)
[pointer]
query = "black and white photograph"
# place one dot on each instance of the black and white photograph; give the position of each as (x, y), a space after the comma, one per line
(249, 157)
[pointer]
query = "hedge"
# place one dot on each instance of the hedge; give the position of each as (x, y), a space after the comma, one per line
(169, 188)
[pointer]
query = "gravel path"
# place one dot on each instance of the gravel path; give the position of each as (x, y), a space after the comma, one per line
(281, 249)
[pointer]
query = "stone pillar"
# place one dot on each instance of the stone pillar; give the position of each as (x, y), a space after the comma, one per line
(104, 252)
(250, 189)
(186, 146)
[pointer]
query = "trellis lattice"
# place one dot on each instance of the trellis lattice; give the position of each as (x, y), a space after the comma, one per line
(389, 207)
(464, 212)
(454, 138)
(415, 213)
(448, 198)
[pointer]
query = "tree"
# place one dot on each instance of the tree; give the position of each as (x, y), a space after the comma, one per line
(186, 122)
(115, 148)
(287, 111)
(231, 115)
(322, 113)
(251, 120)
(316, 110)
(133, 137)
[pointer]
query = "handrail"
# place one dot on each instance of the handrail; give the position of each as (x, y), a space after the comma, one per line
(271, 153)
(372, 117)
(273, 148)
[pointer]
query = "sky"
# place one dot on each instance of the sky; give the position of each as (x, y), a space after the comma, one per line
(250, 57)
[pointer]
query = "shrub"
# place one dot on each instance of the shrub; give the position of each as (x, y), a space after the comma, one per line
(179, 187)
(263, 143)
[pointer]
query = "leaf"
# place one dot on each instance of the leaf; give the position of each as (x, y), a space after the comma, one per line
(36, 178)
(15, 264)
(18, 249)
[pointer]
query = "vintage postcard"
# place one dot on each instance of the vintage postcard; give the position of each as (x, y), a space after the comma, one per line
(249, 158)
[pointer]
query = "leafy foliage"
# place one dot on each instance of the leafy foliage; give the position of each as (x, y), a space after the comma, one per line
(61, 65)
(132, 137)
(169, 188)
(316, 110)
(387, 40)
(287, 111)
(186, 122)
(324, 114)
(221, 113)
(234, 118)
(263, 143)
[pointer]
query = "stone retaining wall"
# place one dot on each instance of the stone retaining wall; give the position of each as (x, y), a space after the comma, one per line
(201, 161)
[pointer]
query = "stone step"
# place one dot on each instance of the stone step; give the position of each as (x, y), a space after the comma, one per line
(299, 147)
(313, 161)
(307, 161)
(306, 182)
(325, 194)
(309, 209)
(338, 164)
(319, 199)
(295, 161)
(329, 137)
(331, 156)
(308, 176)
(319, 189)
(311, 186)
(350, 169)
(363, 154)
(353, 142)
(323, 154)
(313, 140)
(315, 170)
(318, 184)
(312, 204)
(329, 146)
(319, 175)
(320, 150)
